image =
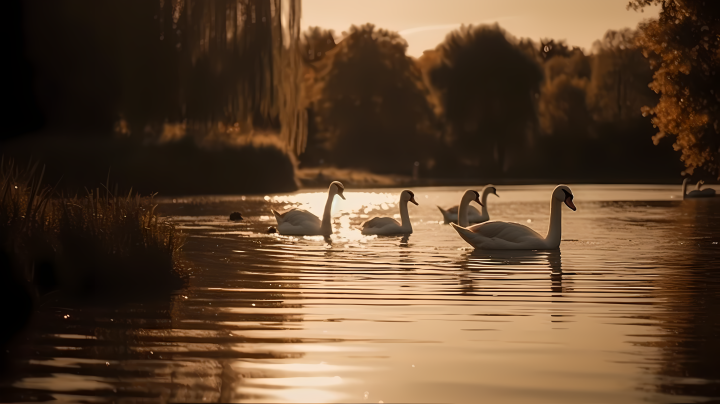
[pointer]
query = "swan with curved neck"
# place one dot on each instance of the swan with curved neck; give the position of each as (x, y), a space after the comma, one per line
(463, 215)
(697, 192)
(473, 215)
(301, 222)
(496, 235)
(388, 225)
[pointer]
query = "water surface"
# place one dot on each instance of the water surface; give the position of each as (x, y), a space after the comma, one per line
(627, 311)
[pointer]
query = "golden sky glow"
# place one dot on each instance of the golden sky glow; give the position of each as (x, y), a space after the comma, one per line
(424, 23)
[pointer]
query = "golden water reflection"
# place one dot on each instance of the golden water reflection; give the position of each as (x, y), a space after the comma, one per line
(625, 311)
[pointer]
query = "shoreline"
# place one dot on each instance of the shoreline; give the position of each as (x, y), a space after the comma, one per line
(360, 179)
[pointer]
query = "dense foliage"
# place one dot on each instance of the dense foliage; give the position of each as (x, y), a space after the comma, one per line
(487, 88)
(371, 101)
(484, 104)
(683, 46)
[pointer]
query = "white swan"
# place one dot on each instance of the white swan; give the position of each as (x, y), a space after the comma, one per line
(514, 236)
(301, 222)
(468, 196)
(697, 192)
(388, 225)
(473, 215)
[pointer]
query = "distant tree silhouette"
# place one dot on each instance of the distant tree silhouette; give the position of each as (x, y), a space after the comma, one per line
(589, 112)
(575, 64)
(373, 104)
(610, 85)
(487, 87)
(563, 110)
(315, 43)
(620, 78)
(683, 46)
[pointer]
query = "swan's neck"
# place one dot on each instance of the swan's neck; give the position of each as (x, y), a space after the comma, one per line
(404, 215)
(484, 211)
(463, 209)
(555, 229)
(684, 189)
(326, 225)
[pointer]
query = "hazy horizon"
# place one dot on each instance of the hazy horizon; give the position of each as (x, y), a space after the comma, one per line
(425, 23)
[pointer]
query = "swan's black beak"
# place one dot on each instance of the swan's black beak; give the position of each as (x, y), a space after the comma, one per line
(569, 203)
(341, 195)
(478, 201)
(412, 199)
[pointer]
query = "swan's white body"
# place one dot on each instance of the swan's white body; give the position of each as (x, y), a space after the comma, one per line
(473, 215)
(451, 215)
(697, 192)
(301, 222)
(388, 225)
(464, 219)
(514, 236)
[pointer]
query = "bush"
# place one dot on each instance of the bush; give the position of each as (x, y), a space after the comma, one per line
(244, 165)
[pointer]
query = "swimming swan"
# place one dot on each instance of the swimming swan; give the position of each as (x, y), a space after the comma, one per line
(468, 196)
(514, 236)
(301, 222)
(388, 225)
(697, 192)
(473, 216)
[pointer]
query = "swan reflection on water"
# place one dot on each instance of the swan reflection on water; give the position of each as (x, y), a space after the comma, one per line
(515, 259)
(518, 261)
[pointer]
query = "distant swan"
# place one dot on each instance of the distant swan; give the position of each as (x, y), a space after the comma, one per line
(388, 225)
(514, 236)
(301, 222)
(697, 192)
(473, 216)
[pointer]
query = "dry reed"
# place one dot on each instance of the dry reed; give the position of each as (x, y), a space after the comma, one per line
(100, 245)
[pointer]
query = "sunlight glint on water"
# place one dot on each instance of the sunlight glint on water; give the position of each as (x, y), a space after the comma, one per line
(626, 311)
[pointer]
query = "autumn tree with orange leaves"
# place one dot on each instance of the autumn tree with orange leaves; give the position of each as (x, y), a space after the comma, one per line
(683, 47)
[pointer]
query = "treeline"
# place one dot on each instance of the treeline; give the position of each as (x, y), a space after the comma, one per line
(482, 104)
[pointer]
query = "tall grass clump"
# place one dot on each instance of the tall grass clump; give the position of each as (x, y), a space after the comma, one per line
(114, 246)
(100, 245)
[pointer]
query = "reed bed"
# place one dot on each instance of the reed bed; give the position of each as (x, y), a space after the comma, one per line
(101, 245)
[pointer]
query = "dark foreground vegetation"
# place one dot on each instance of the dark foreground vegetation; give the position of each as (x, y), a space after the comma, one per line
(175, 97)
(100, 247)
(188, 165)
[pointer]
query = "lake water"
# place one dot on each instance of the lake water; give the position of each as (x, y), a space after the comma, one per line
(627, 311)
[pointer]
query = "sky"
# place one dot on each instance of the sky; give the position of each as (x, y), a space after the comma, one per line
(425, 23)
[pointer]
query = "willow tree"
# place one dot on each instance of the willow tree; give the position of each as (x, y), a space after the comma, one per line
(239, 63)
(683, 46)
(208, 63)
